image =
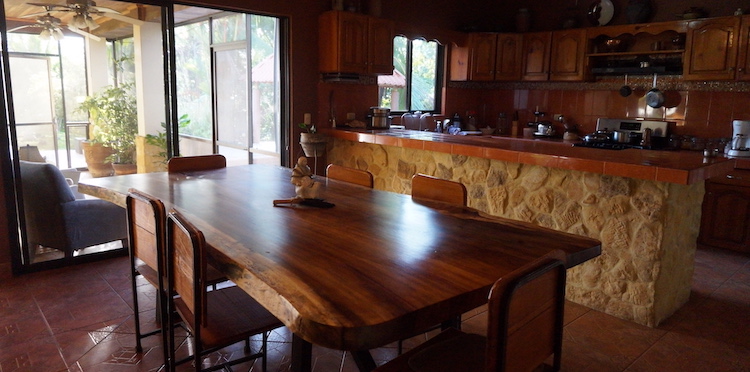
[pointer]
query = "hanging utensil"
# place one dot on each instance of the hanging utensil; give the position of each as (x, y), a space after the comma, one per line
(655, 97)
(625, 90)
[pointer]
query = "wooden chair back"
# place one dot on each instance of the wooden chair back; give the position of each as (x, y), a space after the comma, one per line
(433, 188)
(186, 265)
(146, 219)
(196, 163)
(351, 175)
(525, 311)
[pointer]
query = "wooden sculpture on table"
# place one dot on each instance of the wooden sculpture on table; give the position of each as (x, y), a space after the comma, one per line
(306, 189)
(302, 180)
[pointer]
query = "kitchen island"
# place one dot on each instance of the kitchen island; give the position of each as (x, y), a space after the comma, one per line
(643, 205)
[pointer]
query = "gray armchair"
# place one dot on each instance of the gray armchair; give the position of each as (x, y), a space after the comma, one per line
(55, 219)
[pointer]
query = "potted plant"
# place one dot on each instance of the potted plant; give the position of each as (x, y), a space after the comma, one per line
(312, 142)
(114, 114)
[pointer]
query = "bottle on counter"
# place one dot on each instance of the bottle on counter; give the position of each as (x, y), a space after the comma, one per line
(514, 125)
(502, 124)
(471, 120)
(457, 121)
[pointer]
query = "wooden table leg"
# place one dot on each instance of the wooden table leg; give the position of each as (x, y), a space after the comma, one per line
(364, 360)
(301, 355)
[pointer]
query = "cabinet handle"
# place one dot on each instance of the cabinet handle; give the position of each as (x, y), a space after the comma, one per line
(733, 177)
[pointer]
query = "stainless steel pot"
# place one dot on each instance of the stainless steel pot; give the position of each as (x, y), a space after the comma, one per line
(379, 117)
(620, 136)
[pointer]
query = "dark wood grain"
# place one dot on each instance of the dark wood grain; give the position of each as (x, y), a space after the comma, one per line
(375, 268)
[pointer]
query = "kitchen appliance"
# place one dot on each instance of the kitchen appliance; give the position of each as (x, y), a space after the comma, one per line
(620, 134)
(379, 117)
(740, 146)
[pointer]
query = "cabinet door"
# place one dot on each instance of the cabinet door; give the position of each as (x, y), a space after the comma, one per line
(536, 49)
(725, 219)
(567, 59)
(508, 58)
(483, 49)
(743, 61)
(711, 51)
(380, 53)
(342, 42)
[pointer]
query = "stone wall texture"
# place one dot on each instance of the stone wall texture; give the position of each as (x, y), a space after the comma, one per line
(648, 229)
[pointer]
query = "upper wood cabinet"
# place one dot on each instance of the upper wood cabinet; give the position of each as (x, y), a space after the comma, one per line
(355, 43)
(712, 47)
(495, 56)
(567, 55)
(743, 60)
(536, 50)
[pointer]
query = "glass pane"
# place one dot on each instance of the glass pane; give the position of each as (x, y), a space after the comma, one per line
(424, 75)
(229, 28)
(32, 95)
(73, 61)
(194, 81)
(232, 97)
(392, 88)
(265, 88)
(31, 43)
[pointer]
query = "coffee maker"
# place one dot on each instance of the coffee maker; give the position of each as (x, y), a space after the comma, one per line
(740, 145)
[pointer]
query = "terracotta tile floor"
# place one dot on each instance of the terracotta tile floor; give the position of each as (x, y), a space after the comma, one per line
(79, 319)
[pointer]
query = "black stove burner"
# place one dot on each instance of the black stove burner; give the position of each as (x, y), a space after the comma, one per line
(604, 145)
(618, 146)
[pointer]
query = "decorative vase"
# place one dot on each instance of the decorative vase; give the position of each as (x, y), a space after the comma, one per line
(95, 155)
(313, 144)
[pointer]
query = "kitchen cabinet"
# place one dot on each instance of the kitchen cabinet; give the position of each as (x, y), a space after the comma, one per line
(495, 56)
(725, 218)
(355, 43)
(567, 55)
(743, 60)
(536, 50)
(712, 47)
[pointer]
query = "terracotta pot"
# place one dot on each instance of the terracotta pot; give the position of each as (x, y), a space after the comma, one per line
(121, 169)
(95, 155)
(313, 144)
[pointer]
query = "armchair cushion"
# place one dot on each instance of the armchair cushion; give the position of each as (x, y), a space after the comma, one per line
(55, 219)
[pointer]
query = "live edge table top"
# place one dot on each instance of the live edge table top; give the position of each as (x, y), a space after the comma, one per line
(376, 267)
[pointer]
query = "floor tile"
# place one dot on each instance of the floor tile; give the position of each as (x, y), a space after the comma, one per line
(79, 318)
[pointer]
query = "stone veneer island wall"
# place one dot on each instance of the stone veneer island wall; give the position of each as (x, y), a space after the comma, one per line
(648, 229)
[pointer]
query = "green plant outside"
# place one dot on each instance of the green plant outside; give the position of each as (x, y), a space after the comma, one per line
(114, 114)
(160, 138)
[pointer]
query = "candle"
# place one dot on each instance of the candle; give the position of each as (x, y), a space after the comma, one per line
(307, 118)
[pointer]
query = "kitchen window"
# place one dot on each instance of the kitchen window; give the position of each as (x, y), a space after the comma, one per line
(415, 84)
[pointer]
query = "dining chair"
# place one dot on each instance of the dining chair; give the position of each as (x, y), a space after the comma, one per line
(525, 325)
(196, 163)
(217, 318)
(437, 189)
(350, 175)
(146, 218)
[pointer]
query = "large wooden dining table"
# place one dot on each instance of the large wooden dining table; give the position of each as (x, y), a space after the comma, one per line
(375, 268)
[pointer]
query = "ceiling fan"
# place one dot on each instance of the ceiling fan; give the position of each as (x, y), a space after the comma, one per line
(83, 10)
(52, 27)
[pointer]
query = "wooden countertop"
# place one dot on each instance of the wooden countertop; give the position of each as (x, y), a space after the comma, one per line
(680, 167)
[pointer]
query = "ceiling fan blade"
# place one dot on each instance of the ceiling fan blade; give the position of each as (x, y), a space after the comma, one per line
(123, 18)
(101, 9)
(84, 33)
(46, 12)
(20, 27)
